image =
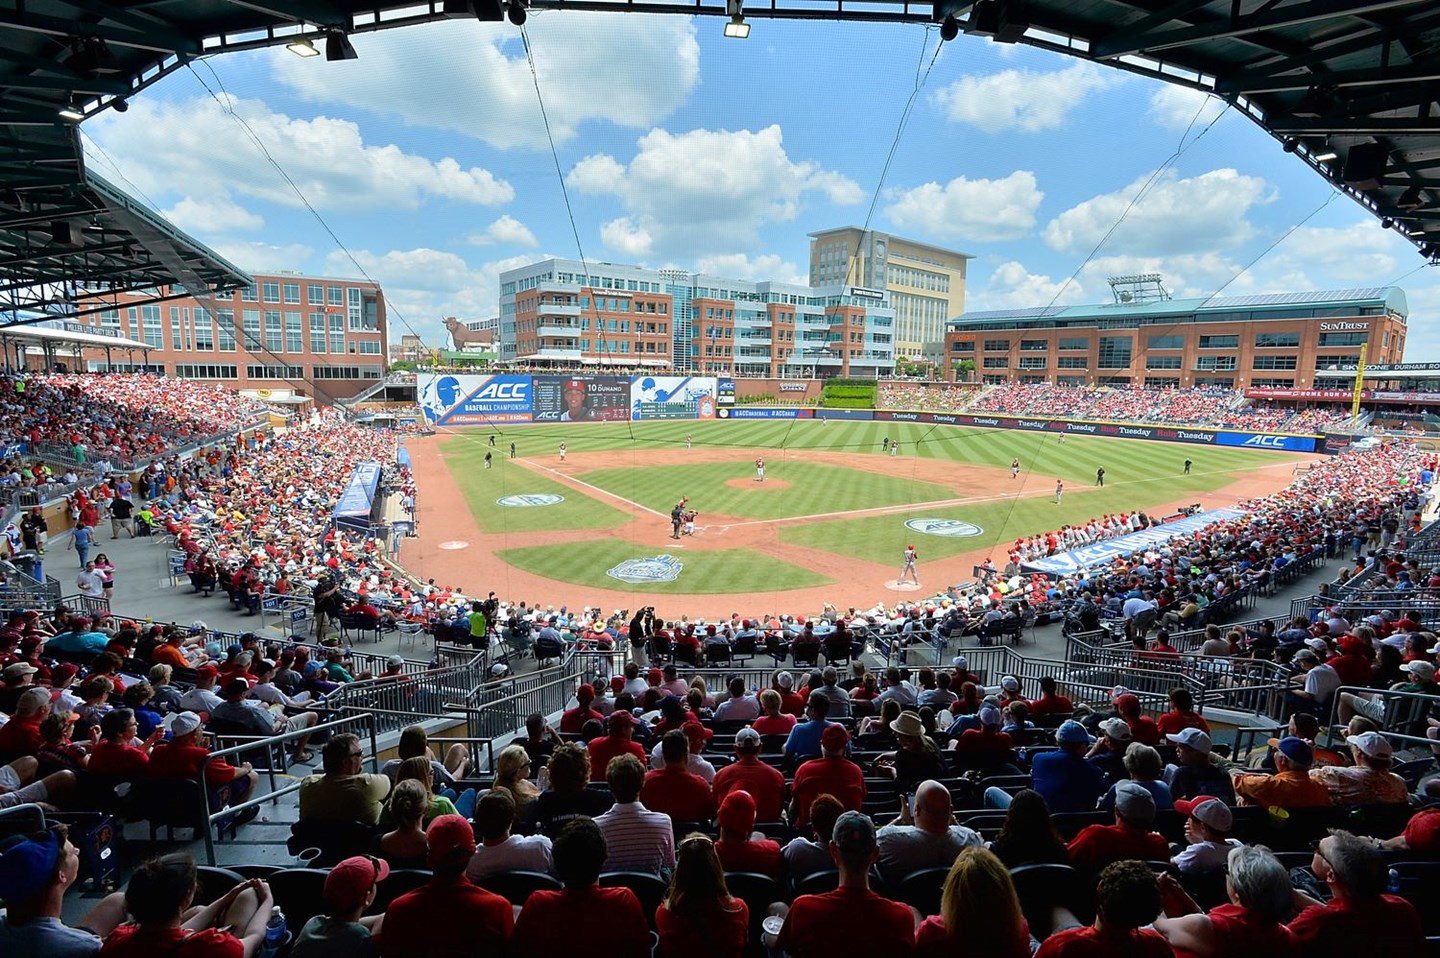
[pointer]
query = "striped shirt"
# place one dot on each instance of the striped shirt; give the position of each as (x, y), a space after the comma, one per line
(638, 839)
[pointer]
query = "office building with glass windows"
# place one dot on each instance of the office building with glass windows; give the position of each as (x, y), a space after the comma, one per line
(316, 336)
(1270, 340)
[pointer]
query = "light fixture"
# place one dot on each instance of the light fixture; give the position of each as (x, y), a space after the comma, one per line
(1325, 157)
(338, 47)
(71, 112)
(119, 104)
(949, 28)
(1386, 222)
(302, 47)
(1290, 144)
(737, 28)
(515, 12)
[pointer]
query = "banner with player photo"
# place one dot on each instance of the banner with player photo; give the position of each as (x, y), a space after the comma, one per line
(581, 398)
(672, 397)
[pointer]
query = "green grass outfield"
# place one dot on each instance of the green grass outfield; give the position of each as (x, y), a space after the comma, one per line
(708, 572)
(481, 487)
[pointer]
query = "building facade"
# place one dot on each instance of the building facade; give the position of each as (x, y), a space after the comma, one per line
(554, 312)
(926, 284)
(320, 336)
(1271, 340)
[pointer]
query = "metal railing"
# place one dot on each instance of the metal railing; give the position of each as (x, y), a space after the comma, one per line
(1404, 716)
(496, 708)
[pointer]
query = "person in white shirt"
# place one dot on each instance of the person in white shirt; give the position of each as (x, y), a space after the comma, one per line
(500, 851)
(695, 734)
(1319, 683)
(265, 690)
(89, 582)
(740, 706)
(897, 689)
(636, 838)
(203, 697)
(1207, 824)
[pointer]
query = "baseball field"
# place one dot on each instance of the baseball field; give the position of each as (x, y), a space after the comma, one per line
(830, 520)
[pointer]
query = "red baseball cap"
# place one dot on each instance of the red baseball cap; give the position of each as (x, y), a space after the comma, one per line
(621, 719)
(350, 881)
(737, 811)
(1422, 833)
(1127, 704)
(834, 737)
(447, 836)
(585, 695)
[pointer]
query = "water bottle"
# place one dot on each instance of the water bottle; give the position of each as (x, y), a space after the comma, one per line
(1393, 886)
(275, 935)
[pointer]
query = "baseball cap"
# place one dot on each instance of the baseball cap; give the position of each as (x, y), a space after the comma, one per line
(396, 660)
(350, 881)
(447, 836)
(621, 719)
(1135, 803)
(1116, 729)
(1422, 833)
(834, 737)
(737, 811)
(1118, 691)
(1296, 749)
(1420, 669)
(16, 669)
(585, 695)
(696, 732)
(26, 864)
(960, 662)
(1318, 644)
(1207, 809)
(1072, 732)
(1010, 683)
(1127, 704)
(854, 835)
(499, 668)
(63, 672)
(182, 723)
(209, 670)
(654, 675)
(747, 738)
(1372, 744)
(1193, 737)
(785, 680)
(989, 715)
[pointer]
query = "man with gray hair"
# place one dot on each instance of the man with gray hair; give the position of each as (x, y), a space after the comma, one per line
(838, 698)
(21, 735)
(926, 838)
(852, 918)
(1359, 916)
(1251, 923)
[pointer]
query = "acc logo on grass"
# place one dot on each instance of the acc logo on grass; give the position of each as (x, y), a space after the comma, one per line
(532, 499)
(664, 568)
(951, 528)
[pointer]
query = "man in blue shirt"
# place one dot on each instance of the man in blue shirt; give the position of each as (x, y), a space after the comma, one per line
(79, 639)
(804, 740)
(1066, 781)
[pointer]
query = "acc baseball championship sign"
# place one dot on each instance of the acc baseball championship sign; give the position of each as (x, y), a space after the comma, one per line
(467, 400)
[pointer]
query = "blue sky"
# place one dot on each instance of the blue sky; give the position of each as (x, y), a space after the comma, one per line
(428, 159)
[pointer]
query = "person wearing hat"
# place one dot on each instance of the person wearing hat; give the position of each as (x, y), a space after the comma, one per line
(341, 932)
(1421, 678)
(1107, 752)
(620, 729)
(738, 848)
(852, 919)
(1064, 778)
(764, 783)
(555, 922)
(17, 676)
(344, 792)
(183, 755)
(1312, 686)
(1194, 772)
(1127, 900)
(1208, 822)
(244, 713)
(923, 837)
(79, 639)
(1290, 786)
(831, 773)
(1142, 727)
(791, 701)
(1359, 916)
(499, 850)
(987, 747)
(449, 916)
(203, 697)
(574, 719)
(158, 899)
(1132, 835)
(696, 737)
(673, 789)
(1369, 781)
(21, 735)
(35, 873)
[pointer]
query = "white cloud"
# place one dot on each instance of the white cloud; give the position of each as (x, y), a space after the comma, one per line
(761, 267)
(213, 214)
(507, 230)
(473, 78)
(704, 191)
(1175, 215)
(1029, 101)
(969, 210)
(1177, 107)
(1012, 286)
(264, 257)
(193, 147)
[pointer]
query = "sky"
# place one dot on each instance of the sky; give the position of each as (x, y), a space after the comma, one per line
(426, 164)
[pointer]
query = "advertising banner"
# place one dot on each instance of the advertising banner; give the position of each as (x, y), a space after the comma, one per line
(725, 392)
(761, 412)
(460, 400)
(358, 497)
(581, 398)
(672, 397)
(1187, 434)
(1337, 395)
(1103, 553)
(1258, 441)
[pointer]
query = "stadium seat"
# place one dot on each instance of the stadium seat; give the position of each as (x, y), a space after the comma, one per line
(1044, 888)
(743, 649)
(1416, 883)
(516, 886)
(757, 891)
(922, 889)
(401, 881)
(329, 842)
(818, 883)
(837, 650)
(650, 889)
(212, 883)
(300, 893)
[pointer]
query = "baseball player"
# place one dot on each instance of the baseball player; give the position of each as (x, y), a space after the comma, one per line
(760, 469)
(1015, 469)
(688, 441)
(1059, 491)
(562, 451)
(909, 570)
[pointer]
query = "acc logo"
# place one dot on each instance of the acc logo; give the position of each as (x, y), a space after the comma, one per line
(535, 499)
(951, 528)
(515, 391)
(1272, 442)
(664, 568)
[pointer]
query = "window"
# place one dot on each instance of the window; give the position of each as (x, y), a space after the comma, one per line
(1273, 362)
(996, 362)
(353, 295)
(1338, 360)
(204, 330)
(992, 380)
(347, 372)
(315, 295)
(202, 371)
(274, 332)
(225, 320)
(1074, 342)
(370, 347)
(1344, 339)
(177, 335)
(271, 291)
(251, 320)
(1215, 382)
(151, 327)
(1166, 342)
(1033, 345)
(1276, 383)
(250, 294)
(292, 292)
(110, 318)
(1073, 362)
(1032, 362)
(273, 371)
(1214, 363)
(1162, 362)
(997, 345)
(294, 335)
(1272, 340)
(1070, 380)
(317, 332)
(1162, 382)
(337, 333)
(1115, 352)
(335, 295)
(962, 346)
(1220, 342)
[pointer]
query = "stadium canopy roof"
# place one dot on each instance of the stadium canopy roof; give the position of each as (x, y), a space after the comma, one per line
(1352, 87)
(1391, 299)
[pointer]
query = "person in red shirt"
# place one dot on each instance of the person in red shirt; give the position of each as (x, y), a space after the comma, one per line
(699, 915)
(1421, 834)
(1130, 837)
(621, 727)
(157, 897)
(765, 784)
(182, 756)
(791, 701)
(739, 850)
(986, 746)
(1049, 702)
(1142, 727)
(1182, 714)
(1250, 925)
(448, 917)
(852, 919)
(1352, 664)
(21, 735)
(673, 789)
(775, 720)
(574, 719)
(832, 773)
(551, 922)
(1359, 916)
(115, 754)
(1127, 899)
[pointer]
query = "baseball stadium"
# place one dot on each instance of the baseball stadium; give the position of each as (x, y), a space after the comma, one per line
(671, 613)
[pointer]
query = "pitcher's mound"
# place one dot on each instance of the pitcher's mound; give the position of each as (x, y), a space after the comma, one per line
(896, 586)
(752, 484)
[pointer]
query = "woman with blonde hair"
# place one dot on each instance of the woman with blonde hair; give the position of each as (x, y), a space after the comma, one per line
(699, 916)
(980, 914)
(417, 769)
(512, 773)
(405, 846)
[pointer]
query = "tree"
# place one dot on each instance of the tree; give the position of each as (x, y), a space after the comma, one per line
(964, 370)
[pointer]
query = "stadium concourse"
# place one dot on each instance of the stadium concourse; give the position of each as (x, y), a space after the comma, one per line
(1153, 770)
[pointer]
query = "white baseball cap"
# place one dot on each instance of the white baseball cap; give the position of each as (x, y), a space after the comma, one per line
(1193, 737)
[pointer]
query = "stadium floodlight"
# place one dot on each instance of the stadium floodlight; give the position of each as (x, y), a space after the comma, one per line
(737, 28)
(1326, 156)
(72, 112)
(339, 47)
(515, 11)
(302, 47)
(119, 104)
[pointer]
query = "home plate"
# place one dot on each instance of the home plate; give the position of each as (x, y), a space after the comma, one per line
(454, 544)
(893, 585)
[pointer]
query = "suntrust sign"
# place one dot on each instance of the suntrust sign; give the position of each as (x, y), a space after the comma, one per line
(1343, 327)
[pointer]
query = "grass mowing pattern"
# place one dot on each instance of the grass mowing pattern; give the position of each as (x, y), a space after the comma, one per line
(717, 572)
(481, 487)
